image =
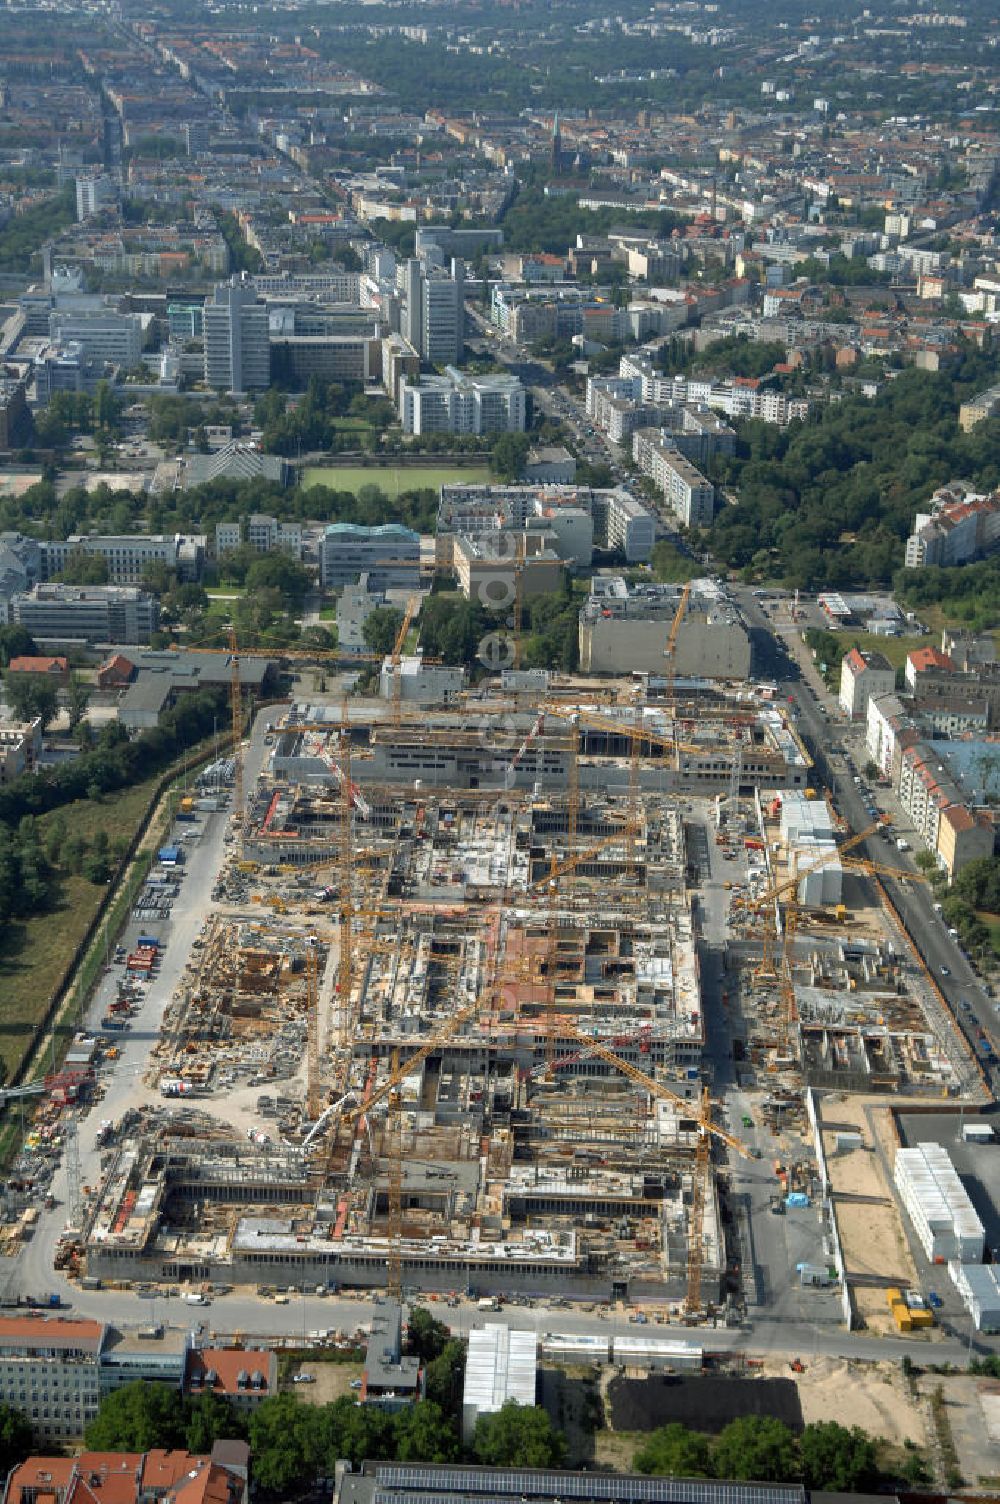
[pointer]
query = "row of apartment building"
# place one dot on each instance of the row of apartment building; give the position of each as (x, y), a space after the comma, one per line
(960, 526)
(928, 745)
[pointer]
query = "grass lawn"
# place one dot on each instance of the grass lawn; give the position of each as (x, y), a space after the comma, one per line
(31, 964)
(393, 478)
(351, 425)
(992, 923)
(671, 567)
(895, 649)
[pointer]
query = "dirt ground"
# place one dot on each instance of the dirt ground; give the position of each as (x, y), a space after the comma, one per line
(973, 1411)
(332, 1380)
(871, 1232)
(871, 1395)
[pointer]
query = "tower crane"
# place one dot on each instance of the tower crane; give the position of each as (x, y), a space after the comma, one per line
(669, 652)
(707, 1131)
(766, 902)
(394, 1136)
(395, 660)
(312, 1035)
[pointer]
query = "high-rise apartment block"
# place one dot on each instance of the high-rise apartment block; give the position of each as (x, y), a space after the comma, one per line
(237, 347)
(434, 315)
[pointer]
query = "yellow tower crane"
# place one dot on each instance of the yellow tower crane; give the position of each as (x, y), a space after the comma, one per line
(312, 1036)
(707, 1130)
(670, 651)
(412, 607)
(394, 1140)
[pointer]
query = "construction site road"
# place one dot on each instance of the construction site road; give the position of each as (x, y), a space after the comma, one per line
(125, 1088)
(252, 1316)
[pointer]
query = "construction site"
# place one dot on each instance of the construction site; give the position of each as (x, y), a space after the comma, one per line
(445, 1026)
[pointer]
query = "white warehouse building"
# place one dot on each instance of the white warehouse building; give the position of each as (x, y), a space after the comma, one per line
(807, 835)
(938, 1205)
(502, 1365)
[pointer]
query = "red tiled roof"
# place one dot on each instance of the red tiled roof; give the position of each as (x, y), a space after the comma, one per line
(49, 1331)
(228, 1363)
(121, 1477)
(958, 817)
(29, 664)
(922, 659)
(43, 1475)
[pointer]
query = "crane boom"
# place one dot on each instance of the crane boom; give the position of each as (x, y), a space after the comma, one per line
(395, 659)
(778, 891)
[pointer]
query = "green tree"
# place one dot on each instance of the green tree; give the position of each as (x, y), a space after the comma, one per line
(279, 571)
(97, 862)
(426, 1337)
(77, 699)
(380, 631)
(15, 642)
(16, 1438)
(31, 695)
(444, 1377)
(508, 456)
(137, 1417)
(424, 1433)
(837, 1460)
(83, 568)
(673, 1449)
(287, 1440)
(518, 1436)
(210, 1419)
(756, 1448)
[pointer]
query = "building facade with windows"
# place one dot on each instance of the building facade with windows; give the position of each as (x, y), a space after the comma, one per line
(237, 345)
(389, 555)
(88, 613)
(50, 1370)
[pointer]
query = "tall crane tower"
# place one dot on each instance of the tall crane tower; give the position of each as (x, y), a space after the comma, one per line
(312, 1035)
(394, 1140)
(412, 607)
(669, 652)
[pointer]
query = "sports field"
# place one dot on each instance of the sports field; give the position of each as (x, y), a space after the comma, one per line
(393, 478)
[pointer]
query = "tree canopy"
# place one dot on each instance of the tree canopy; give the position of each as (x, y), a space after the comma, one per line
(756, 1448)
(675, 1450)
(138, 1417)
(518, 1436)
(837, 1460)
(426, 1337)
(16, 1438)
(380, 631)
(31, 695)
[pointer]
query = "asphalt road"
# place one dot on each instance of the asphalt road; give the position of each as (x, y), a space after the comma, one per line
(820, 724)
(32, 1272)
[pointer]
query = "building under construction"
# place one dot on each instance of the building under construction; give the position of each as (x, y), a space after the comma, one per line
(457, 1030)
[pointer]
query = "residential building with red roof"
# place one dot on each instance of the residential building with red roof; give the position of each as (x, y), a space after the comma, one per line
(863, 675)
(244, 1376)
(925, 661)
(172, 1477)
(115, 672)
(26, 663)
